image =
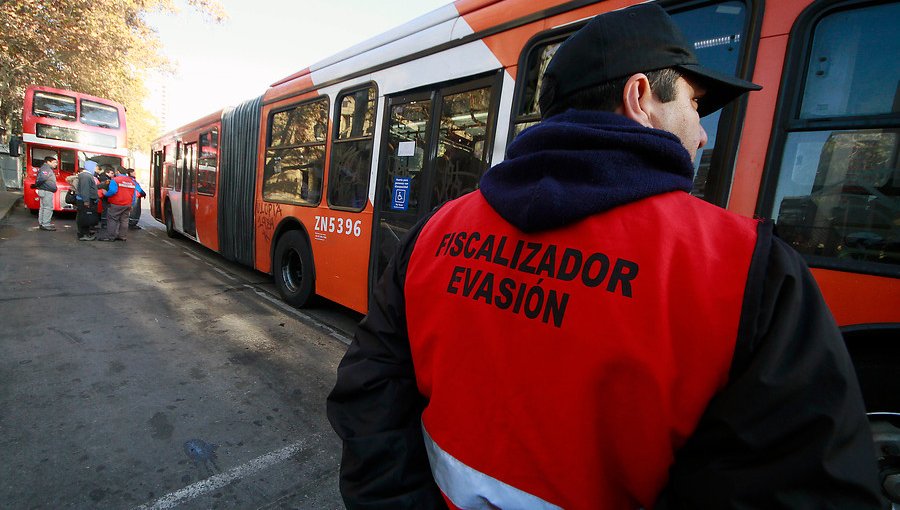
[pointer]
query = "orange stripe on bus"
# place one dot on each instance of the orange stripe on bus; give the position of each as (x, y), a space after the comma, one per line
(859, 298)
(507, 46)
(290, 85)
(757, 127)
(464, 7)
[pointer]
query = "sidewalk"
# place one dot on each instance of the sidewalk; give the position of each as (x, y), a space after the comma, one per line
(8, 199)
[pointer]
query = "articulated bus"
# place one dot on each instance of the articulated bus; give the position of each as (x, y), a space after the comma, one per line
(318, 179)
(72, 127)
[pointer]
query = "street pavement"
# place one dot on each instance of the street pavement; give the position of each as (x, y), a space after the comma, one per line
(8, 199)
(149, 374)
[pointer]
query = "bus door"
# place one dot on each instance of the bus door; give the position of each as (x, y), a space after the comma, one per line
(35, 158)
(157, 182)
(189, 190)
(436, 146)
(68, 166)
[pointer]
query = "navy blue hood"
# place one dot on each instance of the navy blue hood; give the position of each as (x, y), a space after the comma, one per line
(580, 163)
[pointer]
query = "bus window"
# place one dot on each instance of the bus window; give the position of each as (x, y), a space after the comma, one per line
(351, 151)
(38, 155)
(156, 181)
(407, 142)
(67, 161)
(179, 164)
(717, 33)
(843, 78)
(539, 57)
(97, 114)
(295, 156)
(461, 156)
(207, 164)
(838, 192)
(169, 166)
(188, 158)
(100, 159)
(421, 171)
(56, 106)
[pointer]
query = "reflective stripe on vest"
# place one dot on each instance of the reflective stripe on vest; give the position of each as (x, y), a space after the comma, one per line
(469, 489)
(573, 364)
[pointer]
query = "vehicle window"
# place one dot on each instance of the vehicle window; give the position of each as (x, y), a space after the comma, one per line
(74, 135)
(100, 159)
(406, 145)
(461, 157)
(208, 163)
(179, 165)
(169, 166)
(845, 77)
(101, 115)
(67, 161)
(156, 176)
(838, 192)
(539, 57)
(38, 155)
(717, 34)
(437, 146)
(55, 106)
(351, 150)
(295, 156)
(716, 31)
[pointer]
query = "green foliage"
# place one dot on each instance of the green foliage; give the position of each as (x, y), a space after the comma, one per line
(99, 47)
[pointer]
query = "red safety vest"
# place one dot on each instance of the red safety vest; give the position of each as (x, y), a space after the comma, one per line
(125, 193)
(565, 368)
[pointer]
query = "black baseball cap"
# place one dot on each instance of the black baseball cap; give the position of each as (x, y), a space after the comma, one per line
(634, 40)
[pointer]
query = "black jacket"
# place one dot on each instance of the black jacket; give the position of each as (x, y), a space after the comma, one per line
(46, 179)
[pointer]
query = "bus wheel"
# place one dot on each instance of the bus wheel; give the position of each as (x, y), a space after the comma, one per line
(170, 226)
(292, 266)
(886, 433)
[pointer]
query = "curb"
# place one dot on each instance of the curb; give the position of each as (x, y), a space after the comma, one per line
(8, 200)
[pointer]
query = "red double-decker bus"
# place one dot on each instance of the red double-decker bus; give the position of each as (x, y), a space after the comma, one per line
(72, 127)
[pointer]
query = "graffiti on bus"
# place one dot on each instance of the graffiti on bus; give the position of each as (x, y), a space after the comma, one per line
(267, 216)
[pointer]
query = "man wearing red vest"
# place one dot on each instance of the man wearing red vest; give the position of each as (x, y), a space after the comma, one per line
(120, 195)
(581, 332)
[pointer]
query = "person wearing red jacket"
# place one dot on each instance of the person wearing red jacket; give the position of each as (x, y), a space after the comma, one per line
(120, 196)
(582, 333)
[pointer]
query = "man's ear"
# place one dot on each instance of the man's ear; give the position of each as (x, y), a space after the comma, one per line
(637, 100)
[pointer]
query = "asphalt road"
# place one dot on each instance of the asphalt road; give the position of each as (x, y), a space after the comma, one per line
(153, 374)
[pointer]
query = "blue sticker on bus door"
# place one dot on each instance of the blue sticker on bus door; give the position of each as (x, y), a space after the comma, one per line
(401, 194)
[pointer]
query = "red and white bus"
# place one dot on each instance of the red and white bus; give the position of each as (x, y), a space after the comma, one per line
(317, 180)
(72, 127)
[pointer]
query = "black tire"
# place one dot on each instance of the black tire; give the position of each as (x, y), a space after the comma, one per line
(292, 266)
(170, 225)
(886, 433)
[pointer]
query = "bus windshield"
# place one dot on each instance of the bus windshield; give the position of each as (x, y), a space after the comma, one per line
(55, 106)
(101, 115)
(100, 159)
